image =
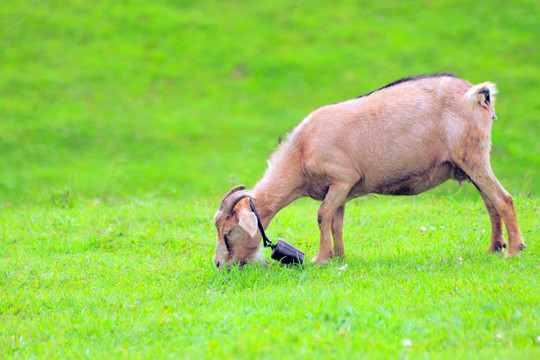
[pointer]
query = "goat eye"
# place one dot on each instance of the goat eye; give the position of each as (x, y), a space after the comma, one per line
(226, 241)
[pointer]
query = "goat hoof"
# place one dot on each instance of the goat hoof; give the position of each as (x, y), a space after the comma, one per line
(508, 254)
(319, 259)
(515, 252)
(497, 246)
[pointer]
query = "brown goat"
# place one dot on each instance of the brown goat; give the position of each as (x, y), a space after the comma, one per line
(403, 139)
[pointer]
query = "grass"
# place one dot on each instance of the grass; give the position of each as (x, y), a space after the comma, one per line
(175, 98)
(122, 124)
(135, 280)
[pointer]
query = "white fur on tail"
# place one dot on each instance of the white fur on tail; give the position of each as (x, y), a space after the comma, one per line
(474, 94)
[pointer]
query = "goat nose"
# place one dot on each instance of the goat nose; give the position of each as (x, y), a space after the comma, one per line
(217, 263)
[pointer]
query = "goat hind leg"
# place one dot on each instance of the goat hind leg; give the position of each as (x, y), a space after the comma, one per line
(485, 181)
(497, 240)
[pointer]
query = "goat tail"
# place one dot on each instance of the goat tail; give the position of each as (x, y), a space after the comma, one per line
(483, 92)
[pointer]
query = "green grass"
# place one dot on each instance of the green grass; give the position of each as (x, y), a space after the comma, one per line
(135, 280)
(122, 124)
(175, 98)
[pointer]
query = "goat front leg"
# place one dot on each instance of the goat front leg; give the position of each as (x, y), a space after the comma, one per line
(337, 231)
(489, 187)
(497, 239)
(335, 198)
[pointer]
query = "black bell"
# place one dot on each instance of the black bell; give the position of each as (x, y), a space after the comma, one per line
(286, 253)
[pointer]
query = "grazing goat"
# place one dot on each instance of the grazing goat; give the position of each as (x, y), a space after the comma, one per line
(402, 139)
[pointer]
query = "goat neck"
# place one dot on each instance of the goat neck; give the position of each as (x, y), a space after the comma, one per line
(274, 192)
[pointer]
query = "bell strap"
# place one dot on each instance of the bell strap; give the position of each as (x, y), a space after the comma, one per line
(266, 240)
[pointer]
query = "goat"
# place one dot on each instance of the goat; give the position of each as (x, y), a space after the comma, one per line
(402, 139)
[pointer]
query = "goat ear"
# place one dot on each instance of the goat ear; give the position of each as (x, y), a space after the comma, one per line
(248, 221)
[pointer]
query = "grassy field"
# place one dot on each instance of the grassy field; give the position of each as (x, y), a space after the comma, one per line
(176, 98)
(134, 280)
(122, 124)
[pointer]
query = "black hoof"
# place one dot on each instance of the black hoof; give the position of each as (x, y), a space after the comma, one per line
(498, 246)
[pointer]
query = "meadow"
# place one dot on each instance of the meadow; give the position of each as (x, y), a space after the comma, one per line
(122, 124)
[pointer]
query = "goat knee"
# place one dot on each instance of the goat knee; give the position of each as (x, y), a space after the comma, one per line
(508, 200)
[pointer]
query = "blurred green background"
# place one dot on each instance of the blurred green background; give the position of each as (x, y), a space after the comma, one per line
(184, 99)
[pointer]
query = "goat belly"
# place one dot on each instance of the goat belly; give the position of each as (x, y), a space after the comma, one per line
(416, 183)
(406, 186)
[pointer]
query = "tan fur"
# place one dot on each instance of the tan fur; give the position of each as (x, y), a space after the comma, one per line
(399, 140)
(473, 96)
